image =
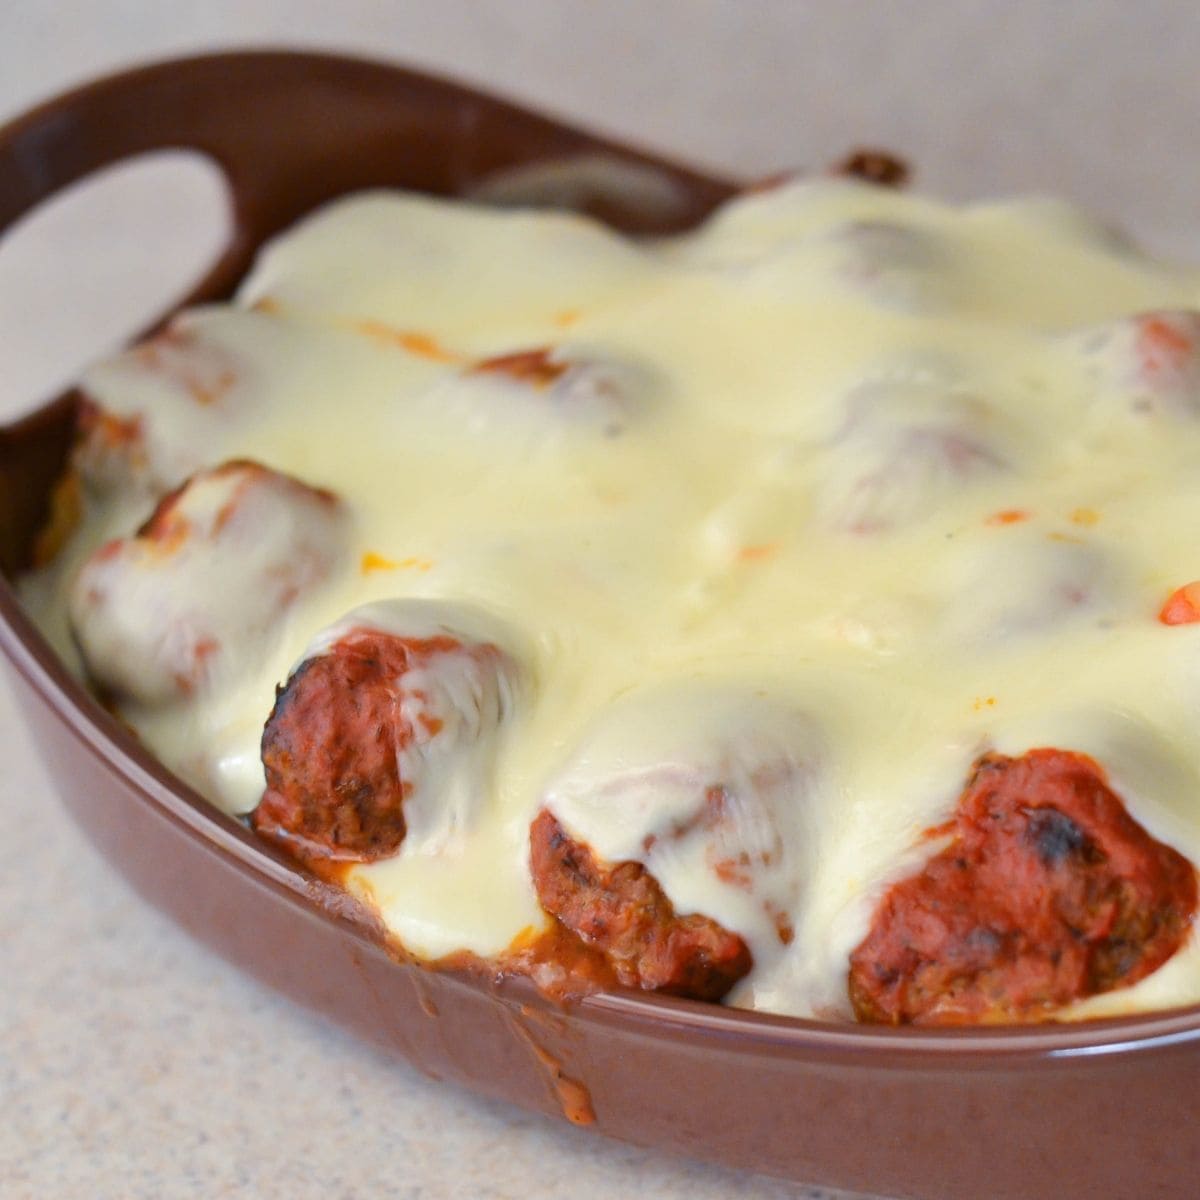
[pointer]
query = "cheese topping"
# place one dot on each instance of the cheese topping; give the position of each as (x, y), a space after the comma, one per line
(815, 504)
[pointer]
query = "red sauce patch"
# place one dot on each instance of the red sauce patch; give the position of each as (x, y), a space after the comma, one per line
(1182, 606)
(1009, 516)
(421, 345)
(1164, 347)
(573, 1096)
(784, 929)
(534, 367)
(758, 553)
(558, 960)
(1048, 893)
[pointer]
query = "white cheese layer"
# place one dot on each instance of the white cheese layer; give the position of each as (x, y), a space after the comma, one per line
(837, 493)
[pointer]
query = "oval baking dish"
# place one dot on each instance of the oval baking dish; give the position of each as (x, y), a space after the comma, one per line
(1103, 1108)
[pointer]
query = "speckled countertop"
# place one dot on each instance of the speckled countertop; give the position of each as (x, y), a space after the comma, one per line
(136, 1065)
(133, 1063)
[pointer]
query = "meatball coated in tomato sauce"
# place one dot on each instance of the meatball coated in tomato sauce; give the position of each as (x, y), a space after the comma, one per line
(678, 836)
(1047, 893)
(373, 728)
(197, 592)
(621, 911)
(534, 393)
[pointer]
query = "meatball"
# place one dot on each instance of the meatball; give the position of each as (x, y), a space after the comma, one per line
(905, 447)
(372, 730)
(1048, 892)
(779, 243)
(695, 796)
(197, 591)
(174, 391)
(622, 911)
(1145, 366)
(535, 390)
(1018, 583)
(108, 447)
(892, 264)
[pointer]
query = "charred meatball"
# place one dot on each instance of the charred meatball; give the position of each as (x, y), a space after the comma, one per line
(622, 911)
(695, 793)
(1048, 892)
(373, 728)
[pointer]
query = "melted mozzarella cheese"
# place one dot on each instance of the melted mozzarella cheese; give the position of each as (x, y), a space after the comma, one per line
(835, 493)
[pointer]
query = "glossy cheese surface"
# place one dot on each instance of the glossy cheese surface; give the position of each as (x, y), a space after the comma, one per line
(820, 502)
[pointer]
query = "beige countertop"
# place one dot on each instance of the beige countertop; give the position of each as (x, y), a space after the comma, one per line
(133, 1063)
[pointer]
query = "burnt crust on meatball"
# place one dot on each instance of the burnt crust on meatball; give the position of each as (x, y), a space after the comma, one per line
(331, 749)
(1047, 893)
(873, 166)
(620, 910)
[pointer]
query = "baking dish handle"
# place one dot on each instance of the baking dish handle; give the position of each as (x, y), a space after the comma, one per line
(290, 131)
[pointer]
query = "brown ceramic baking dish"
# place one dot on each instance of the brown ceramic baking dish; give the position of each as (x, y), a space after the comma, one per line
(1107, 1109)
